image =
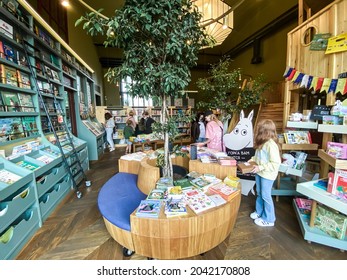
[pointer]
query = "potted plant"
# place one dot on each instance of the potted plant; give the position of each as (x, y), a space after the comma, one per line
(160, 40)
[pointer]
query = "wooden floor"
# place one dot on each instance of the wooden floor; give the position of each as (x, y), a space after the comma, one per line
(76, 231)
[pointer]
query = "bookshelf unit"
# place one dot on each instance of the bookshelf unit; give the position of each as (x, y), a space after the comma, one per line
(26, 139)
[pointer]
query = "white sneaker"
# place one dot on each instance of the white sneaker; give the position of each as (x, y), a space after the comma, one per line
(260, 222)
(254, 215)
(111, 150)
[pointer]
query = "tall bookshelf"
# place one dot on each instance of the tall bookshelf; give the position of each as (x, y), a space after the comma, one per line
(34, 179)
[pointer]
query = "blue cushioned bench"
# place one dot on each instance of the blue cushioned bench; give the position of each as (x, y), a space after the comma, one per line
(118, 198)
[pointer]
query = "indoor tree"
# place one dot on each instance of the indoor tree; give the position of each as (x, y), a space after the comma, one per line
(160, 40)
(225, 90)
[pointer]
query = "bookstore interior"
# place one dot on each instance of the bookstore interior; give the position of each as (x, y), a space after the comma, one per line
(53, 100)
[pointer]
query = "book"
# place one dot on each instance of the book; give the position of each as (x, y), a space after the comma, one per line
(297, 137)
(6, 28)
(304, 205)
(194, 174)
(29, 126)
(204, 183)
(9, 75)
(11, 101)
(164, 182)
(339, 187)
(183, 183)
(157, 194)
(11, 128)
(217, 199)
(230, 161)
(8, 177)
(175, 208)
(23, 80)
(2, 105)
(28, 165)
(330, 221)
(223, 190)
(2, 54)
(26, 102)
(9, 53)
(197, 200)
(149, 208)
(174, 192)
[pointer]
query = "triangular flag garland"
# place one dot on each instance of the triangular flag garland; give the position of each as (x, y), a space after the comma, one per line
(316, 83)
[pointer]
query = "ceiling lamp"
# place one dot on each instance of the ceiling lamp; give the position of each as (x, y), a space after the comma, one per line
(218, 18)
(65, 3)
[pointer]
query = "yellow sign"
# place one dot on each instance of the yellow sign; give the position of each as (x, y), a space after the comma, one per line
(337, 44)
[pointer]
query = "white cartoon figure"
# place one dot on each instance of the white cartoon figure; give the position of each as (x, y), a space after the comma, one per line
(242, 135)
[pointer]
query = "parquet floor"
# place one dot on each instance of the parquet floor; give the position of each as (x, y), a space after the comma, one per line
(76, 231)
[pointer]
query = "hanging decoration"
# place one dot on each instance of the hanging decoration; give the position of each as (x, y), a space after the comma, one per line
(318, 84)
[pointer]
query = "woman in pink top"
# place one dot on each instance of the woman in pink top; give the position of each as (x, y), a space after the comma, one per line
(214, 132)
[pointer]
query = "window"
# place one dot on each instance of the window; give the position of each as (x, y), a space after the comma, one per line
(127, 100)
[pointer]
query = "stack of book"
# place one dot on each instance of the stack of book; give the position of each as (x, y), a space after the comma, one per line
(149, 208)
(227, 160)
(175, 208)
(204, 182)
(157, 194)
(198, 201)
(223, 190)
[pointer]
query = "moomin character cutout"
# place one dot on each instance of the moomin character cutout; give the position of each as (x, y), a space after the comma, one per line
(242, 135)
(239, 144)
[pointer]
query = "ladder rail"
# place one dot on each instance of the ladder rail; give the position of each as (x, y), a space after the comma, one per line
(57, 107)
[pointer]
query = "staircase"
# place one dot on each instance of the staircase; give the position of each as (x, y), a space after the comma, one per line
(273, 111)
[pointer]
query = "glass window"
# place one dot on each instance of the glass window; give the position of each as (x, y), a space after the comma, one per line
(127, 100)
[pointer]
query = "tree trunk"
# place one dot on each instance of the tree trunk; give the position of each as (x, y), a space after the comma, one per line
(167, 167)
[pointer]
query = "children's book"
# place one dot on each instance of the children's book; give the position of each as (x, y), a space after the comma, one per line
(304, 205)
(204, 183)
(2, 105)
(174, 192)
(29, 126)
(183, 183)
(227, 160)
(9, 53)
(8, 177)
(28, 165)
(149, 208)
(26, 102)
(11, 101)
(9, 75)
(23, 80)
(197, 200)
(175, 207)
(339, 187)
(21, 59)
(330, 221)
(297, 137)
(2, 54)
(223, 190)
(164, 182)
(217, 199)
(157, 194)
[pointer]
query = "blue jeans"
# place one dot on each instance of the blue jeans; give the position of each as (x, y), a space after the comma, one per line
(264, 205)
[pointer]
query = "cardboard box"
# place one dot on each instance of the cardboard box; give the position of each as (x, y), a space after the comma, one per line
(246, 167)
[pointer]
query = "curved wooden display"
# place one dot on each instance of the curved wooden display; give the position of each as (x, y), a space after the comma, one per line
(183, 237)
(148, 175)
(123, 237)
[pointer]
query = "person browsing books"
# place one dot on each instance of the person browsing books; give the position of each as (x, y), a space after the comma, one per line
(128, 132)
(268, 159)
(109, 125)
(199, 128)
(214, 132)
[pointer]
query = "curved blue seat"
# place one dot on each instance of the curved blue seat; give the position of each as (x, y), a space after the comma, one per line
(118, 198)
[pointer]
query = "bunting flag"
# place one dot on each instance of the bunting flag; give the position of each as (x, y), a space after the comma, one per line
(304, 81)
(326, 85)
(321, 84)
(332, 86)
(298, 78)
(291, 75)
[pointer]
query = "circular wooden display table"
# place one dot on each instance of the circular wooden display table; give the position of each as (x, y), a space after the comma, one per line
(184, 237)
(178, 237)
